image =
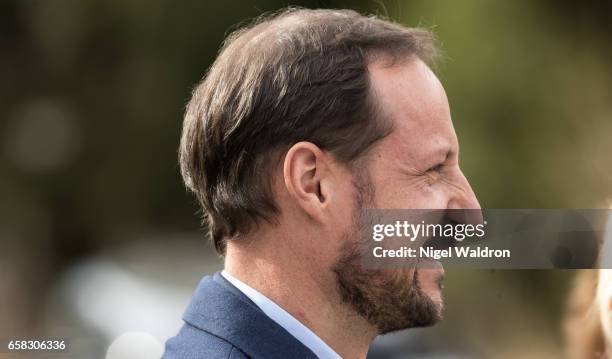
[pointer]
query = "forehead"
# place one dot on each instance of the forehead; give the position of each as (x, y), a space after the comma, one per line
(410, 95)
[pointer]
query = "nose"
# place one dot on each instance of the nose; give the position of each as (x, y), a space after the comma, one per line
(463, 202)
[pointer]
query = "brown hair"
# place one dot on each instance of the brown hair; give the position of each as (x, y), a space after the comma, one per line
(297, 75)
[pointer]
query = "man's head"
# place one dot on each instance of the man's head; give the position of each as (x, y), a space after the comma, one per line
(309, 115)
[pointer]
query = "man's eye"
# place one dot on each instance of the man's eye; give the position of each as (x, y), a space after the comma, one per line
(436, 168)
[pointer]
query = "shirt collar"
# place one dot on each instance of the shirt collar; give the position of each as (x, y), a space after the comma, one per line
(284, 319)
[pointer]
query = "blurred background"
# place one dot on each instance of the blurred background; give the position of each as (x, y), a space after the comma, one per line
(101, 244)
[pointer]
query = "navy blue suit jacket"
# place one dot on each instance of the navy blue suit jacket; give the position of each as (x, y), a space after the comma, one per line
(222, 322)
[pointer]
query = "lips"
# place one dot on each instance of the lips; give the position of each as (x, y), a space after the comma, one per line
(436, 243)
(441, 282)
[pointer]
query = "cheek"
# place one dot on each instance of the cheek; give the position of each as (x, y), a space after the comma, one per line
(416, 193)
(341, 228)
(397, 190)
(342, 208)
(341, 218)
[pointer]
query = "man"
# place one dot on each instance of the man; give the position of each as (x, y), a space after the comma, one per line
(305, 118)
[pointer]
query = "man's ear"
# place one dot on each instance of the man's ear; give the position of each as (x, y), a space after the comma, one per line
(305, 171)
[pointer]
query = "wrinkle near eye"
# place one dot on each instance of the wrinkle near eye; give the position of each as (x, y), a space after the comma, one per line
(451, 183)
(425, 182)
(431, 177)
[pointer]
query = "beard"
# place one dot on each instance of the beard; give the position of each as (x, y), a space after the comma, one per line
(389, 299)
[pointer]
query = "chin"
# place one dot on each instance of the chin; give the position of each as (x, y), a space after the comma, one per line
(389, 299)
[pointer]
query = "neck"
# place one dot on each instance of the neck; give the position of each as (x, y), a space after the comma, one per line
(291, 279)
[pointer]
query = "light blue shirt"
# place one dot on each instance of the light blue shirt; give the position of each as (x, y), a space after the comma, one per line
(284, 319)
